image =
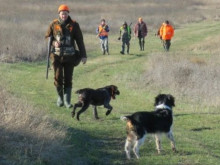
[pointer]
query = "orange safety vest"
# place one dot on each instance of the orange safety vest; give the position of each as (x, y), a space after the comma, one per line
(166, 32)
(102, 31)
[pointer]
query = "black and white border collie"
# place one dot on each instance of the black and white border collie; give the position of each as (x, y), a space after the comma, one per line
(157, 122)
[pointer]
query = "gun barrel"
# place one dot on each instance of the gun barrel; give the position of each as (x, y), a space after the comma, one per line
(48, 55)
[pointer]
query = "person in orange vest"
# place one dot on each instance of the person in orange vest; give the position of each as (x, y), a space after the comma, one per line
(102, 31)
(166, 34)
(65, 32)
(140, 31)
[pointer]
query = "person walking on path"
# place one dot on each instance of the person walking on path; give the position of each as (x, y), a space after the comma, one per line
(64, 56)
(102, 31)
(166, 34)
(125, 35)
(140, 31)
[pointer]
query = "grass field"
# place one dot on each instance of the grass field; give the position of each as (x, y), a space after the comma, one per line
(89, 141)
(33, 130)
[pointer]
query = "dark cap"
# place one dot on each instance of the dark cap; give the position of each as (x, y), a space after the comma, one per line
(125, 23)
(167, 22)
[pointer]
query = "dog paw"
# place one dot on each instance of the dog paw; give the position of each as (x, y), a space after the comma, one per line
(158, 152)
(77, 117)
(108, 112)
(73, 114)
(174, 150)
(96, 118)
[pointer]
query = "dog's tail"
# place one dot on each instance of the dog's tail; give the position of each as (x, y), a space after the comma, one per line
(125, 118)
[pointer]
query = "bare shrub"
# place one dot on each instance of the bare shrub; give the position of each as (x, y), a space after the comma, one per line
(28, 135)
(197, 79)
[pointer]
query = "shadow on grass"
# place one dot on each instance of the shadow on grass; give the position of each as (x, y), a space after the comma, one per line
(200, 129)
(21, 146)
(89, 149)
(138, 55)
(199, 113)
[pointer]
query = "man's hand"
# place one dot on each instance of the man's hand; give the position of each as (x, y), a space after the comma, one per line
(84, 60)
(57, 44)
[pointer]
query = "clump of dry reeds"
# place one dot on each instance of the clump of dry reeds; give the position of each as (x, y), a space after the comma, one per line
(194, 78)
(27, 135)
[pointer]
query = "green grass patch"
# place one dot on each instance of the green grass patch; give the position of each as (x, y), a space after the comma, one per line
(102, 141)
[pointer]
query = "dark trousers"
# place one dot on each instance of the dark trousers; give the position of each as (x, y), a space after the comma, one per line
(126, 42)
(63, 70)
(141, 42)
(166, 45)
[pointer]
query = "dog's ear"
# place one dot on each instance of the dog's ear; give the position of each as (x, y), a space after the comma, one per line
(172, 100)
(113, 87)
(157, 99)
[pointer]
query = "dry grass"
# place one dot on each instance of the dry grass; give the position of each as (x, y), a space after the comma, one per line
(24, 23)
(27, 135)
(209, 46)
(194, 79)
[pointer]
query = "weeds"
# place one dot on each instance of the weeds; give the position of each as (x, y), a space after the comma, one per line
(28, 135)
(197, 79)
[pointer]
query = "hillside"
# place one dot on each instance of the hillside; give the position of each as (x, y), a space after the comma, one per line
(34, 131)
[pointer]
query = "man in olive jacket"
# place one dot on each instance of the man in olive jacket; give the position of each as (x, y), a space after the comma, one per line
(65, 32)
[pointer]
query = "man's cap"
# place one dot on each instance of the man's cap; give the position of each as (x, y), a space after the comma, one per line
(63, 8)
(167, 22)
(125, 23)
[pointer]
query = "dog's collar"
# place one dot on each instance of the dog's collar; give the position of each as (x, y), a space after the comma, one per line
(163, 106)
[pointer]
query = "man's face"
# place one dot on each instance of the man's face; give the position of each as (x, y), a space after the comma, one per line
(103, 23)
(64, 15)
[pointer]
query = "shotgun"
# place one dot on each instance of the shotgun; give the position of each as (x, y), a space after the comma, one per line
(48, 54)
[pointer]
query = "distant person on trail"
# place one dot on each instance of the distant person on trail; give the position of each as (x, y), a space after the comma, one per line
(64, 56)
(125, 35)
(102, 32)
(140, 31)
(166, 33)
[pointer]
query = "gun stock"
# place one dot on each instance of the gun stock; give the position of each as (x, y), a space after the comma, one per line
(48, 55)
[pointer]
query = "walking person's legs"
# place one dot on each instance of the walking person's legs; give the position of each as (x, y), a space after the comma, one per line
(143, 42)
(128, 46)
(68, 75)
(123, 47)
(106, 45)
(168, 44)
(139, 38)
(102, 46)
(58, 78)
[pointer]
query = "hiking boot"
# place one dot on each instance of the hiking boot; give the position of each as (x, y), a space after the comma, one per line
(122, 52)
(143, 46)
(60, 96)
(128, 49)
(67, 97)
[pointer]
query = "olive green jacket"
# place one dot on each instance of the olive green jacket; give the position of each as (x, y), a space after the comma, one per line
(72, 27)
